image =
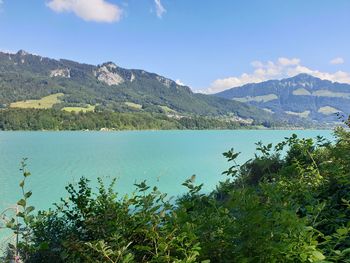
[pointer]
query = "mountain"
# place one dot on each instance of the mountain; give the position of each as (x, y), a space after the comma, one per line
(303, 95)
(25, 77)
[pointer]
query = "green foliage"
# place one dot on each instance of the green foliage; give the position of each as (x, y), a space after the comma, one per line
(100, 227)
(21, 224)
(51, 119)
(290, 203)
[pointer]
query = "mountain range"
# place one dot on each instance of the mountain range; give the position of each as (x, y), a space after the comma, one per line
(27, 79)
(24, 76)
(303, 95)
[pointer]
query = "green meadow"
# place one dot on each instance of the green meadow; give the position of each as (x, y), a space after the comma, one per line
(43, 103)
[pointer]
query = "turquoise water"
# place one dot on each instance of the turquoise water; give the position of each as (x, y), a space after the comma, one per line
(163, 158)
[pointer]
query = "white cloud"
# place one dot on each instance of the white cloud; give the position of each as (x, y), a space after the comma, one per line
(282, 68)
(179, 82)
(288, 62)
(89, 10)
(337, 60)
(160, 10)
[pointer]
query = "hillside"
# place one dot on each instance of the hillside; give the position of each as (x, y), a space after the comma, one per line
(303, 95)
(27, 80)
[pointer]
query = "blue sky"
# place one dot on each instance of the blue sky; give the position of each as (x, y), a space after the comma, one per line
(208, 45)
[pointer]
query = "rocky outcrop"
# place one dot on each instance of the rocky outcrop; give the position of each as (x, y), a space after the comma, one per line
(166, 82)
(64, 73)
(107, 73)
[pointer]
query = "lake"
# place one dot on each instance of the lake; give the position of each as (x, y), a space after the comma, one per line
(163, 158)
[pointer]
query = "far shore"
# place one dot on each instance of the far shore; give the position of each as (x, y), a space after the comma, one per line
(167, 130)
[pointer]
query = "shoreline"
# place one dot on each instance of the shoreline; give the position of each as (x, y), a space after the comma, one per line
(168, 130)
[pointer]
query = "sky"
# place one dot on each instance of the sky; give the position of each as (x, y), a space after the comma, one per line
(208, 45)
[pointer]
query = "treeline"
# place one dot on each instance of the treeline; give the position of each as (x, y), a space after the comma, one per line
(291, 203)
(51, 119)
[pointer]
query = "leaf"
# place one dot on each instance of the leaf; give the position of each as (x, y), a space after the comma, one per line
(30, 209)
(143, 248)
(22, 202)
(318, 255)
(20, 214)
(11, 246)
(342, 231)
(346, 251)
(11, 224)
(193, 178)
(28, 194)
(44, 246)
(21, 184)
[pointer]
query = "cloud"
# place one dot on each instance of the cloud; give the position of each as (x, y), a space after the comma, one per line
(336, 61)
(160, 10)
(282, 68)
(179, 82)
(288, 62)
(89, 10)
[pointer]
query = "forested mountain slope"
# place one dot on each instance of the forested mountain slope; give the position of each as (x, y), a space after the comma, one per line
(25, 76)
(303, 95)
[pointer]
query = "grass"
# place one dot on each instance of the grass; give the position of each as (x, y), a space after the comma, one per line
(43, 103)
(133, 105)
(263, 98)
(79, 109)
(328, 110)
(47, 103)
(303, 114)
(166, 109)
